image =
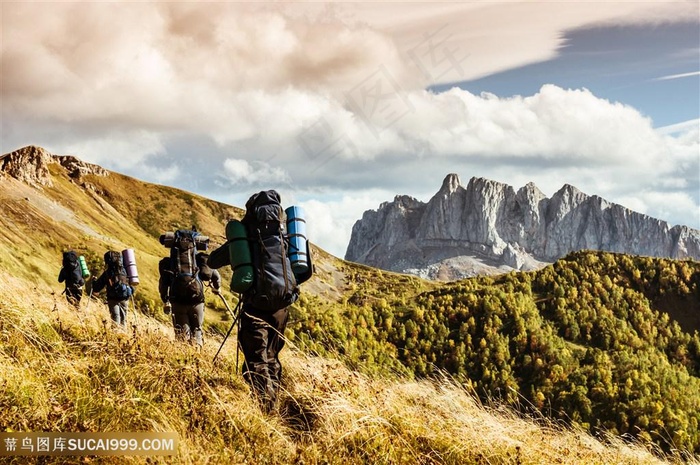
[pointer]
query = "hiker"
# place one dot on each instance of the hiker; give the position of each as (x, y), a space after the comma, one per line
(182, 296)
(72, 275)
(265, 305)
(116, 282)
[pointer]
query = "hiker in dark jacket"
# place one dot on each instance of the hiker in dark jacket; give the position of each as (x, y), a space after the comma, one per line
(116, 283)
(265, 306)
(187, 317)
(71, 274)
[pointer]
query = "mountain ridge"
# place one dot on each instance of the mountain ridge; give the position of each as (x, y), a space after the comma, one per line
(487, 227)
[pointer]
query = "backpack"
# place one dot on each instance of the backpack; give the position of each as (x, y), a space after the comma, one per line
(72, 273)
(186, 286)
(274, 285)
(117, 281)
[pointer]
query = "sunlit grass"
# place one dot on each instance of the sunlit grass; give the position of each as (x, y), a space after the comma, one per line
(68, 370)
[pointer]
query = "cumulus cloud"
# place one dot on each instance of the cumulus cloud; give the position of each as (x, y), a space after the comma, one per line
(121, 150)
(161, 63)
(556, 126)
(242, 172)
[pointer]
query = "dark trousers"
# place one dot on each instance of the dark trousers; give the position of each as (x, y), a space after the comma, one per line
(73, 295)
(261, 337)
(188, 320)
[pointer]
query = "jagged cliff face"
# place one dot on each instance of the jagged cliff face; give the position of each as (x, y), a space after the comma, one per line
(31, 165)
(488, 227)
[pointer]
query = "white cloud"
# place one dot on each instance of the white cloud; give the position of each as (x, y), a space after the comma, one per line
(117, 150)
(242, 172)
(677, 76)
(665, 205)
(689, 127)
(555, 124)
(329, 222)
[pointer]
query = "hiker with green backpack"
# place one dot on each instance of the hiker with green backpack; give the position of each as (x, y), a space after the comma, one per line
(258, 250)
(116, 282)
(72, 274)
(181, 282)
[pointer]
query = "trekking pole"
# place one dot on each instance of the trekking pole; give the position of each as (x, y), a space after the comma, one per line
(238, 344)
(235, 320)
(227, 307)
(133, 305)
(89, 295)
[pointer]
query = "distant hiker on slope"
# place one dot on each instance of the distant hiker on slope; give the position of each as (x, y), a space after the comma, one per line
(181, 283)
(258, 251)
(71, 273)
(115, 280)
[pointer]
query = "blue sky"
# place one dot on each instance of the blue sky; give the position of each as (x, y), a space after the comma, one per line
(341, 106)
(653, 68)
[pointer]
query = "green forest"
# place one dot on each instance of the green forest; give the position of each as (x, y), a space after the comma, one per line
(608, 342)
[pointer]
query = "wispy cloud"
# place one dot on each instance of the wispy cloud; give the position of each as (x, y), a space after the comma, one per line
(685, 126)
(677, 76)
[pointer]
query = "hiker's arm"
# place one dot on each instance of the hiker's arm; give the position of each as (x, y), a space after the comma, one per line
(163, 287)
(99, 283)
(219, 257)
(62, 275)
(215, 279)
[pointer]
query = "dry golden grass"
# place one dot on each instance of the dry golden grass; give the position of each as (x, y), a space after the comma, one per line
(69, 371)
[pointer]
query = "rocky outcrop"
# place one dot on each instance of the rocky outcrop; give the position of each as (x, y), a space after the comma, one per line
(31, 165)
(489, 227)
(77, 168)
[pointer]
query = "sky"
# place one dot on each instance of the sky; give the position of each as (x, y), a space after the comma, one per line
(342, 106)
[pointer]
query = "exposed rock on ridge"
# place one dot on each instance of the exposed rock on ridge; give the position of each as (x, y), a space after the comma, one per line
(488, 227)
(31, 165)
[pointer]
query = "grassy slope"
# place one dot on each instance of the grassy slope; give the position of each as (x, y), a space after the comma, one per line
(62, 370)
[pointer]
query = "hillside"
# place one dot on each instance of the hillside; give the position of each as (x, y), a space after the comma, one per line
(397, 336)
(56, 206)
(608, 342)
(63, 370)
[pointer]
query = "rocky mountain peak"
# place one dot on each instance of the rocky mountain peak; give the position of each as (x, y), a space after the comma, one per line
(488, 227)
(531, 191)
(450, 184)
(31, 165)
(569, 194)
